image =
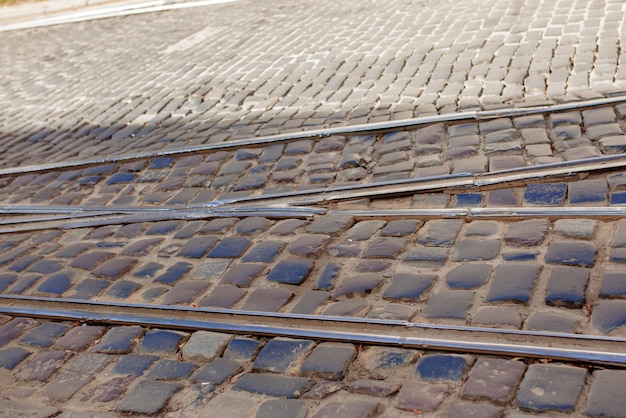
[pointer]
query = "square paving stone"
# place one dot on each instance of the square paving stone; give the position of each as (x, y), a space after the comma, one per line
(79, 338)
(427, 256)
(45, 334)
(442, 367)
(567, 287)
(329, 360)
(280, 354)
(370, 266)
(513, 282)
(133, 364)
(211, 269)
(502, 197)
(89, 288)
(12, 356)
(448, 304)
(439, 233)
(416, 395)
(252, 225)
(122, 289)
(24, 283)
(241, 349)
(387, 247)
(291, 271)
(470, 409)
(174, 273)
(57, 284)
(143, 247)
(183, 292)
(274, 385)
(267, 300)
(230, 247)
(90, 260)
(148, 270)
(493, 379)
(550, 387)
(6, 280)
(45, 267)
(350, 409)
(217, 371)
(349, 307)
(572, 253)
(287, 226)
(43, 365)
(148, 397)
(376, 388)
(90, 363)
(400, 228)
(223, 297)
(409, 286)
(473, 249)
(310, 301)
(228, 405)
(161, 341)
(468, 276)
(473, 200)
(204, 346)
(119, 340)
(606, 396)
(282, 408)
(364, 230)
(171, 369)
(330, 224)
(585, 192)
(22, 263)
(359, 284)
(545, 194)
(526, 233)
(309, 245)
(263, 252)
(613, 284)
(554, 321)
(619, 239)
(197, 247)
(164, 227)
(65, 385)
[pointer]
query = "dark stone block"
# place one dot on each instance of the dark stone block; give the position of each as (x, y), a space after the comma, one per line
(421, 396)
(161, 341)
(613, 284)
(309, 245)
(468, 276)
(427, 256)
(282, 408)
(171, 369)
(79, 338)
(183, 292)
(287, 226)
(606, 396)
(273, 385)
(281, 354)
(23, 262)
(123, 289)
(608, 315)
(45, 267)
(14, 329)
(189, 230)
(350, 409)
(88, 180)
(363, 283)
(409, 286)
(473, 200)
(252, 225)
(519, 255)
(197, 247)
(12, 356)
(472, 249)
(448, 304)
(327, 276)
(524, 233)
(148, 270)
(119, 340)
(161, 162)
(164, 227)
(468, 409)
(376, 388)
(217, 371)
(329, 360)
(57, 284)
(551, 387)
(290, 271)
(73, 250)
(618, 198)
(174, 273)
(129, 231)
(24, 283)
(330, 224)
(264, 252)
(151, 294)
(559, 321)
(364, 230)
(513, 282)
(148, 397)
(370, 266)
(142, 247)
(399, 228)
(310, 301)
(6, 280)
(545, 194)
(114, 268)
(267, 300)
(567, 287)
(388, 247)
(133, 364)
(350, 307)
(99, 169)
(230, 247)
(43, 365)
(493, 379)
(223, 297)
(572, 253)
(441, 367)
(439, 233)
(502, 197)
(90, 260)
(242, 274)
(482, 229)
(45, 334)
(251, 181)
(120, 178)
(585, 192)
(241, 349)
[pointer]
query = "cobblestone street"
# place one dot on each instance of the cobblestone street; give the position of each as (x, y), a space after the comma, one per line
(298, 209)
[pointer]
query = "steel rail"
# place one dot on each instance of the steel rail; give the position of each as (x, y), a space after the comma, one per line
(528, 344)
(370, 128)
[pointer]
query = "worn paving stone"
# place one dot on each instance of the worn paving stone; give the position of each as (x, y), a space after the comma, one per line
(45, 334)
(56, 284)
(14, 329)
(468, 276)
(134, 364)
(567, 287)
(448, 304)
(43, 365)
(164, 227)
(364, 230)
(274, 385)
(467, 200)
(65, 385)
(370, 266)
(427, 256)
(293, 271)
(226, 404)
(79, 338)
(613, 284)
(89, 363)
(550, 387)
(330, 224)
(263, 252)
(45, 267)
(545, 194)
(416, 395)
(230, 247)
(512, 282)
(197, 247)
(358, 284)
(242, 274)
(281, 354)
(108, 391)
(606, 395)
(210, 269)
(142, 247)
(165, 369)
(586, 192)
(350, 409)
(13, 408)
(350, 307)
(572, 253)
(442, 367)
(400, 228)
(526, 233)
(473, 249)
(310, 301)
(493, 379)
(183, 292)
(576, 228)
(148, 397)
(119, 340)
(470, 410)
(329, 360)
(387, 247)
(267, 300)
(376, 388)
(498, 315)
(204, 346)
(409, 286)
(148, 270)
(174, 273)
(286, 408)
(309, 245)
(323, 389)
(122, 289)
(241, 349)
(392, 311)
(217, 371)
(161, 341)
(90, 260)
(552, 321)
(12, 356)
(439, 233)
(608, 315)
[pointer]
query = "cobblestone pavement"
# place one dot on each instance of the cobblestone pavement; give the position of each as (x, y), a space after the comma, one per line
(253, 68)
(512, 222)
